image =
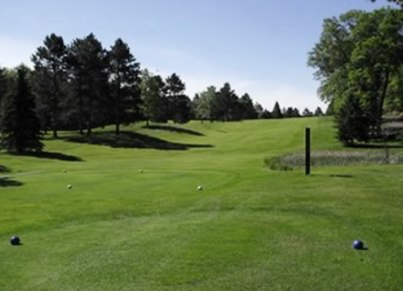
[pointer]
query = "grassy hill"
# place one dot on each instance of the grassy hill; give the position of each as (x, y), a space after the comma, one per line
(134, 219)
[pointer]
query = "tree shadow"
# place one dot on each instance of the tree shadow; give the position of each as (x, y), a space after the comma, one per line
(4, 169)
(173, 129)
(348, 176)
(7, 182)
(52, 156)
(377, 146)
(132, 140)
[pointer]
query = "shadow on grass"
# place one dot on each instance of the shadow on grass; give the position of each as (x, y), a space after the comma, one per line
(52, 156)
(7, 182)
(4, 169)
(377, 146)
(341, 176)
(173, 129)
(132, 140)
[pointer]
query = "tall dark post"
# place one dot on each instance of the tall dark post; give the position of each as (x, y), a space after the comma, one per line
(307, 151)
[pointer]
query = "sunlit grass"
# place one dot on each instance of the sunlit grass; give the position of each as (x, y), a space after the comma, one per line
(134, 219)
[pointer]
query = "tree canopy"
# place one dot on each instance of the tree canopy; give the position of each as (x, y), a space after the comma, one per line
(359, 54)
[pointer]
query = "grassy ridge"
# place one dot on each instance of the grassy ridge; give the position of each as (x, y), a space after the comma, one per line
(250, 228)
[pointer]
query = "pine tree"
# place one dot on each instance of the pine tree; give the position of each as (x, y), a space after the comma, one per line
(276, 111)
(88, 71)
(124, 82)
(50, 75)
(20, 124)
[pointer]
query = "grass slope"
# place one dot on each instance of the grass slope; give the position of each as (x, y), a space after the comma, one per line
(249, 229)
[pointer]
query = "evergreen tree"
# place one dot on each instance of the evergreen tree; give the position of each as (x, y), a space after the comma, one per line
(20, 124)
(248, 111)
(318, 111)
(3, 89)
(50, 75)
(179, 105)
(228, 106)
(307, 113)
(88, 70)
(276, 113)
(124, 83)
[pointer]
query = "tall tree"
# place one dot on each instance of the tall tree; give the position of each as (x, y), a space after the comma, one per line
(359, 52)
(50, 75)
(248, 111)
(227, 104)
(88, 70)
(179, 105)
(204, 104)
(3, 87)
(20, 124)
(153, 97)
(124, 82)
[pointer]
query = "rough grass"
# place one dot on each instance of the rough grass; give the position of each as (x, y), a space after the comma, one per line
(334, 158)
(250, 228)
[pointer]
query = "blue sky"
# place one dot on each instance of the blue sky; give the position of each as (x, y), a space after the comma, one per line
(259, 46)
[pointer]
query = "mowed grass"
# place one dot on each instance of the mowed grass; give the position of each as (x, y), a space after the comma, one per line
(250, 228)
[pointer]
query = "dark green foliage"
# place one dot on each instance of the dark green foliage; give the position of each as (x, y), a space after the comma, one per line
(318, 112)
(20, 124)
(50, 81)
(124, 85)
(276, 113)
(248, 111)
(180, 110)
(266, 114)
(291, 112)
(360, 53)
(398, 2)
(227, 107)
(88, 70)
(307, 113)
(352, 123)
(179, 105)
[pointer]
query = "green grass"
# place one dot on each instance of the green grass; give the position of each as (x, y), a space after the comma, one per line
(249, 229)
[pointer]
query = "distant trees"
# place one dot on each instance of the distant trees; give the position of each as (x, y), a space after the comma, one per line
(359, 54)
(82, 85)
(20, 126)
(276, 113)
(225, 105)
(203, 104)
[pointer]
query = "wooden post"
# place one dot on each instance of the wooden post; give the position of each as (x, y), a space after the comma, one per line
(307, 151)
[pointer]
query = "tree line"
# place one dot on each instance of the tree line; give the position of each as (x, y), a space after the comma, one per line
(83, 85)
(359, 61)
